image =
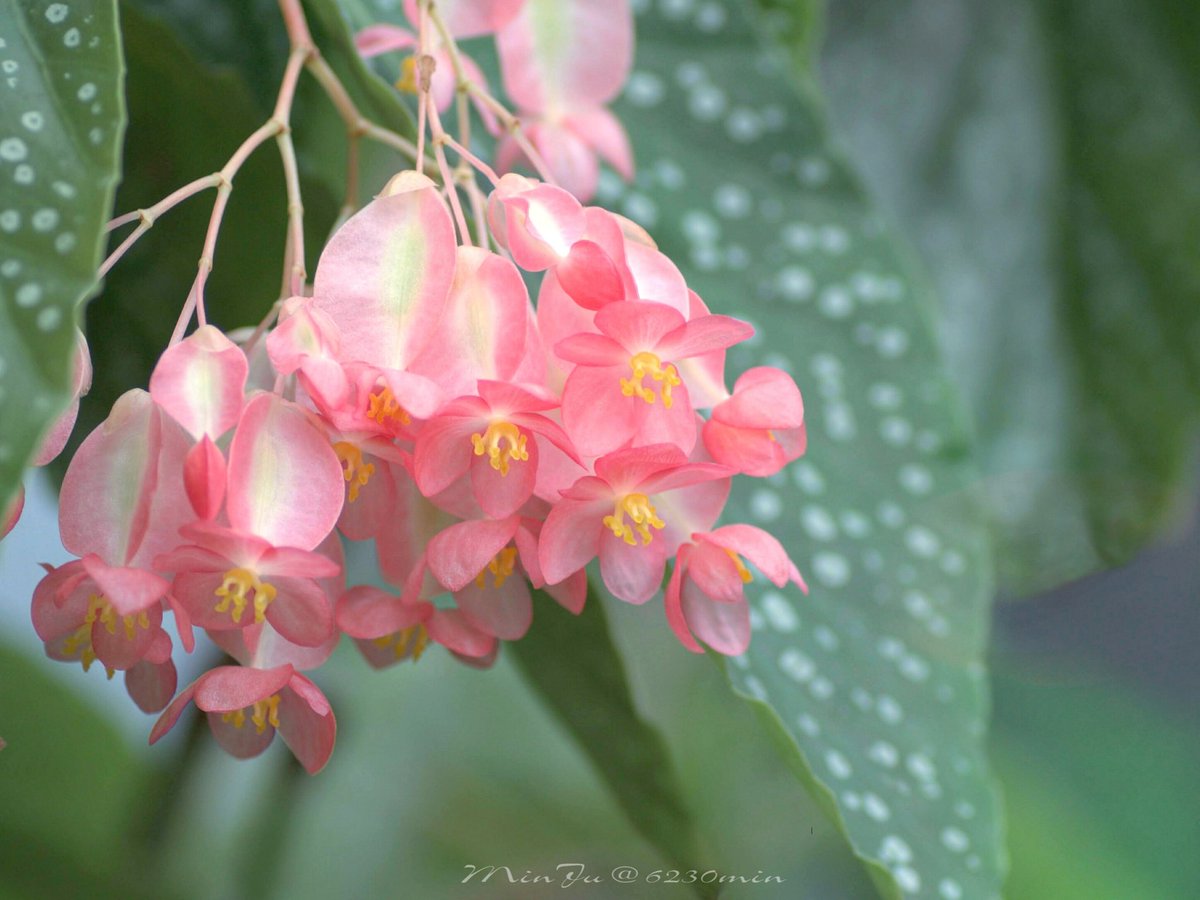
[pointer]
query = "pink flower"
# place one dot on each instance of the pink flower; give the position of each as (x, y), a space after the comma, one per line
(493, 436)
(626, 386)
(562, 60)
(760, 428)
(705, 595)
(245, 708)
(284, 498)
(630, 514)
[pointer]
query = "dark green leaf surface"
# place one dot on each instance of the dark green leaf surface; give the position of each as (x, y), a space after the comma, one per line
(1046, 156)
(873, 682)
(572, 664)
(61, 120)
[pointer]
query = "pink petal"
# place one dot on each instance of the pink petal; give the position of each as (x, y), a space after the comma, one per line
(296, 563)
(104, 506)
(632, 573)
(499, 496)
(384, 275)
(56, 438)
(204, 478)
(628, 469)
(638, 326)
(505, 611)
(246, 742)
(200, 382)
(229, 688)
(482, 330)
(128, 590)
(604, 133)
(566, 53)
(306, 724)
(570, 539)
(598, 417)
(714, 572)
(590, 276)
(656, 278)
(451, 629)
(723, 626)
(151, 685)
(172, 713)
(12, 514)
(471, 18)
(504, 398)
(285, 481)
(367, 612)
(300, 611)
(377, 39)
(759, 547)
(571, 161)
(673, 604)
(538, 223)
(461, 552)
(443, 452)
(572, 593)
(763, 397)
(683, 476)
(116, 650)
(704, 335)
(587, 349)
(752, 451)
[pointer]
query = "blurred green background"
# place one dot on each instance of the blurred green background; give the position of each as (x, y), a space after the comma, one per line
(1027, 153)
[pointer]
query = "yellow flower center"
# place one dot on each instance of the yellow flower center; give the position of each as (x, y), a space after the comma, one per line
(410, 641)
(384, 408)
(643, 515)
(647, 364)
(262, 713)
(356, 472)
(502, 442)
(100, 610)
(501, 567)
(741, 566)
(235, 592)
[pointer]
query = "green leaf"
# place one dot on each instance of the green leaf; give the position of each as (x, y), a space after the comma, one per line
(61, 121)
(1045, 156)
(874, 682)
(572, 663)
(67, 787)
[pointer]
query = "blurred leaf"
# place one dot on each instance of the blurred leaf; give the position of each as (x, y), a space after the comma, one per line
(61, 122)
(874, 682)
(1077, 829)
(573, 665)
(67, 785)
(1046, 156)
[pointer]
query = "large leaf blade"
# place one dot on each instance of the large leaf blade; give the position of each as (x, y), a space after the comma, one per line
(874, 682)
(61, 123)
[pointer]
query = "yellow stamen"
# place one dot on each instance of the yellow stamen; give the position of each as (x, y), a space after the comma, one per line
(100, 610)
(407, 82)
(643, 364)
(741, 566)
(356, 472)
(491, 442)
(501, 568)
(639, 508)
(262, 713)
(400, 641)
(384, 408)
(235, 594)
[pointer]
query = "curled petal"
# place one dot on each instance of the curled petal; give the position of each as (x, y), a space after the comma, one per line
(306, 724)
(204, 478)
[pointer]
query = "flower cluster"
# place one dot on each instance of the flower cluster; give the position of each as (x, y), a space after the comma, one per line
(418, 400)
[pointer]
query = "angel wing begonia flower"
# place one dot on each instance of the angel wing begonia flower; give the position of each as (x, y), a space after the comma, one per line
(121, 504)
(705, 595)
(614, 515)
(245, 708)
(493, 437)
(285, 490)
(625, 386)
(562, 60)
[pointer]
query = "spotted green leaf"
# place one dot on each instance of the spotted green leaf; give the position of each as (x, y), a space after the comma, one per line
(874, 681)
(1046, 159)
(61, 121)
